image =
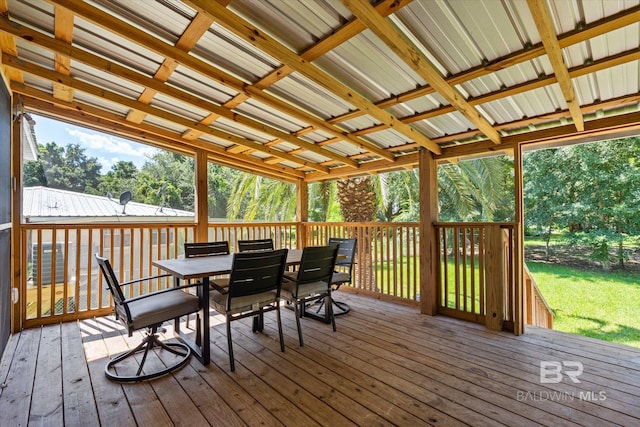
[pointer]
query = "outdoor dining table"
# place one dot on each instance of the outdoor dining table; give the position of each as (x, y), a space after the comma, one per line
(202, 268)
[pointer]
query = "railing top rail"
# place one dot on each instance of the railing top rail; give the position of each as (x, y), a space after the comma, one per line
(473, 224)
(104, 225)
(363, 224)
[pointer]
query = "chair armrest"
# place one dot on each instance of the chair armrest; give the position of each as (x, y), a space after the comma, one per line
(161, 291)
(143, 279)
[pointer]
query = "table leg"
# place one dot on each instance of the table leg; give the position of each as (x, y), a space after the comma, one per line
(201, 345)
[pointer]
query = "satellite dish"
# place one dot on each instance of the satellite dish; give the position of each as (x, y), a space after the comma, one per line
(124, 199)
(162, 191)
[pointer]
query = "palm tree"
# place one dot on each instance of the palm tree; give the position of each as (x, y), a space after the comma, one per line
(254, 197)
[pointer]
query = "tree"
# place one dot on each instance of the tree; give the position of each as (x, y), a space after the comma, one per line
(257, 198)
(595, 194)
(122, 177)
(173, 169)
(64, 168)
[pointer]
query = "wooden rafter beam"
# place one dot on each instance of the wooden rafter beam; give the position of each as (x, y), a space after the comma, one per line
(333, 40)
(595, 130)
(8, 45)
(266, 43)
(157, 86)
(135, 35)
(196, 28)
(601, 64)
(419, 63)
(82, 86)
(63, 30)
(96, 118)
(544, 23)
(593, 29)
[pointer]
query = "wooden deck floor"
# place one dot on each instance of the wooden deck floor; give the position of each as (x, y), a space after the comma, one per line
(386, 365)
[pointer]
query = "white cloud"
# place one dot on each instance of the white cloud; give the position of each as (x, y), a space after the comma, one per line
(94, 141)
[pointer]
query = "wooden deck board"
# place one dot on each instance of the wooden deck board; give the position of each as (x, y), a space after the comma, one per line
(385, 365)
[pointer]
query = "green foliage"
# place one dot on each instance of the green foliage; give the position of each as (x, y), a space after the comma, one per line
(64, 168)
(256, 198)
(590, 188)
(476, 190)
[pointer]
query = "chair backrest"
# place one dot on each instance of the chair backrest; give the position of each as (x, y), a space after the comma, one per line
(317, 264)
(192, 250)
(255, 245)
(121, 307)
(112, 281)
(256, 272)
(346, 251)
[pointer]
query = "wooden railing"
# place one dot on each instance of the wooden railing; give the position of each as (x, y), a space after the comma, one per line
(536, 310)
(62, 281)
(476, 272)
(387, 256)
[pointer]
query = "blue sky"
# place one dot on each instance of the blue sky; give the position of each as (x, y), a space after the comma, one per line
(107, 148)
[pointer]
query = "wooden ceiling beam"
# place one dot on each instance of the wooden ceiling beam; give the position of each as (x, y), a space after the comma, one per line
(63, 31)
(601, 64)
(419, 63)
(269, 45)
(8, 45)
(189, 38)
(544, 23)
(139, 37)
(111, 123)
(157, 86)
(82, 86)
(593, 29)
(595, 130)
(330, 42)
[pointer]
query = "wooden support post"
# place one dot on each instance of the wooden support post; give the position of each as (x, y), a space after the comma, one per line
(428, 171)
(302, 212)
(518, 247)
(495, 277)
(202, 197)
(16, 215)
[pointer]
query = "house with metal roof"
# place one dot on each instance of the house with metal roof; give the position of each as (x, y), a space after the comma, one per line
(42, 204)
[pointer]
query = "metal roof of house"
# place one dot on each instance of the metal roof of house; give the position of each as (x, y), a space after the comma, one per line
(42, 203)
(320, 89)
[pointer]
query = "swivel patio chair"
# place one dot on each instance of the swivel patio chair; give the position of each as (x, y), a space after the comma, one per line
(344, 269)
(255, 245)
(252, 289)
(147, 311)
(310, 282)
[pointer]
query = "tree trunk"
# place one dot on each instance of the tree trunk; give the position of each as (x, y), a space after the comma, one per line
(357, 200)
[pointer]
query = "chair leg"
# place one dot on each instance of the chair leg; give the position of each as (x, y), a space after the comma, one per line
(330, 310)
(280, 328)
(231, 361)
(297, 310)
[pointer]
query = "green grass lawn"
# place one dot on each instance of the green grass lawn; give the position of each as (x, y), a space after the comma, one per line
(594, 304)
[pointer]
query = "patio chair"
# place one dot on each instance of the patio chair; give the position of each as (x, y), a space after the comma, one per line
(255, 245)
(206, 249)
(310, 282)
(253, 288)
(147, 311)
(343, 271)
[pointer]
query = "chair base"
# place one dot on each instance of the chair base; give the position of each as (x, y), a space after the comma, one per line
(148, 343)
(341, 307)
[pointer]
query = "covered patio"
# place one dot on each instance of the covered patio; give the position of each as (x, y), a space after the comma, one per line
(306, 92)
